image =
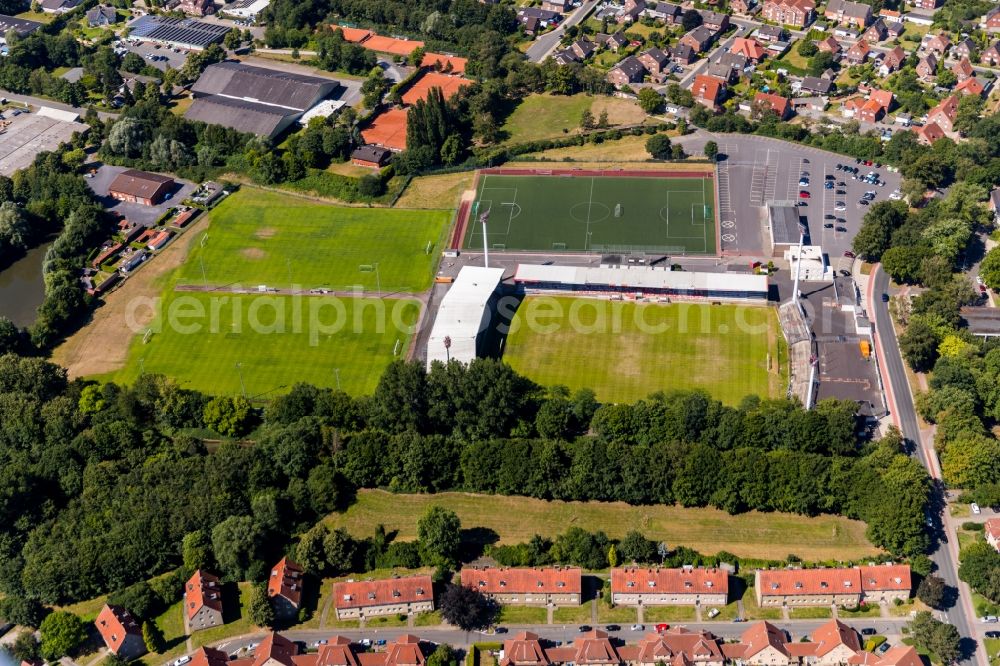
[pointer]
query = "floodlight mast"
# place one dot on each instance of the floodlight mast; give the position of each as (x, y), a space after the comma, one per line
(486, 243)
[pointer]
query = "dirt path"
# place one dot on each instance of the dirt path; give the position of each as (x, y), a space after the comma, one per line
(102, 345)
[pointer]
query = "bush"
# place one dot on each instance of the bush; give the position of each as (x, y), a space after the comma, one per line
(973, 527)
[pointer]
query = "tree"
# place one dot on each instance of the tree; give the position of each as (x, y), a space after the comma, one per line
(228, 416)
(15, 232)
(443, 655)
(821, 62)
(936, 636)
(903, 262)
(196, 550)
(26, 647)
(650, 100)
(989, 269)
(612, 557)
(931, 591)
(635, 547)
(236, 541)
(711, 150)
(440, 535)
(374, 88)
(152, 637)
(980, 568)
(874, 236)
(919, 343)
(602, 120)
(310, 552)
(127, 137)
(807, 48)
(587, 120)
(659, 146)
(691, 19)
(21, 611)
(466, 608)
(259, 608)
(62, 633)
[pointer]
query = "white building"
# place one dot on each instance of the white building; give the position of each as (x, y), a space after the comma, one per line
(813, 267)
(464, 316)
(246, 8)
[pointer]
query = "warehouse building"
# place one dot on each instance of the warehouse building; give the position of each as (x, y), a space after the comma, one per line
(461, 327)
(141, 187)
(186, 33)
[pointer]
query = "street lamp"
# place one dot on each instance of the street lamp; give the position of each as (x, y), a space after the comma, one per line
(447, 348)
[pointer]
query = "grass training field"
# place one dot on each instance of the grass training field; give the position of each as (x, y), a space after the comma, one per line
(597, 213)
(517, 519)
(265, 238)
(618, 348)
(247, 331)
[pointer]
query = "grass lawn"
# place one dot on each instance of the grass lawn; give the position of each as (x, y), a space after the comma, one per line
(794, 58)
(547, 116)
(751, 611)
(180, 105)
(984, 606)
(522, 615)
(871, 610)
(811, 613)
(617, 614)
(907, 608)
(653, 614)
(386, 621)
(438, 192)
(627, 148)
(610, 346)
(41, 17)
(992, 646)
(258, 237)
(171, 623)
(517, 519)
(87, 610)
(236, 622)
(573, 614)
(269, 351)
(431, 619)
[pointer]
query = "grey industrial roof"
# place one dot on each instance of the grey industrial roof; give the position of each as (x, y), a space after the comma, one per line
(266, 86)
(370, 153)
(238, 114)
(982, 321)
(20, 26)
(785, 225)
(186, 31)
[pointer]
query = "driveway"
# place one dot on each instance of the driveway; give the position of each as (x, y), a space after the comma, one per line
(144, 215)
(545, 44)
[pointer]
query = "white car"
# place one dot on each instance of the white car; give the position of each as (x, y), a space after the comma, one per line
(896, 195)
(840, 206)
(804, 182)
(713, 612)
(638, 627)
(975, 508)
(183, 660)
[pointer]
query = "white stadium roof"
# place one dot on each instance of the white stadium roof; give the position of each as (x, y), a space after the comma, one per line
(640, 278)
(463, 314)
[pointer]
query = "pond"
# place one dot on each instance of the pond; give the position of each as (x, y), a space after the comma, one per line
(22, 289)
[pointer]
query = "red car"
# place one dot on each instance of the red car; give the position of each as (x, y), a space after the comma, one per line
(804, 195)
(848, 254)
(660, 628)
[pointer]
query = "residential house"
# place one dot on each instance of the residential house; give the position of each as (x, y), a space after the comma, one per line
(202, 600)
(762, 644)
(373, 157)
(388, 596)
(781, 106)
(708, 91)
(537, 19)
(583, 48)
(900, 655)
(560, 6)
(667, 12)
(629, 70)
(992, 527)
(926, 68)
(673, 646)
(798, 13)
(848, 12)
(592, 648)
(142, 187)
(206, 656)
(770, 33)
(894, 29)
(858, 54)
(964, 49)
(991, 21)
(633, 8)
(829, 45)
(749, 48)
(284, 585)
(743, 7)
(615, 42)
(885, 583)
(926, 4)
(699, 39)
(991, 55)
(875, 33)
(121, 632)
(682, 54)
(195, 7)
(824, 587)
(938, 43)
(657, 63)
(716, 21)
(929, 133)
(944, 114)
(971, 86)
(963, 69)
(814, 85)
(870, 112)
(547, 586)
(565, 57)
(101, 15)
(728, 67)
(649, 586)
(60, 6)
(891, 61)
(159, 239)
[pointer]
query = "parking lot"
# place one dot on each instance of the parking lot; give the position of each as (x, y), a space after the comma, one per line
(756, 170)
(147, 216)
(24, 135)
(174, 58)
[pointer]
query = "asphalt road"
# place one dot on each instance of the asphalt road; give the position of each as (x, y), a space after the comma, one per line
(558, 633)
(38, 101)
(544, 45)
(962, 614)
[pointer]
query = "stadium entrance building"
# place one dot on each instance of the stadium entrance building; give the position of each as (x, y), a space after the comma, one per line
(641, 282)
(462, 326)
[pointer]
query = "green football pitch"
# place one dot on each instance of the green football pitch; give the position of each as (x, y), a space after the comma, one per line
(266, 238)
(594, 213)
(625, 351)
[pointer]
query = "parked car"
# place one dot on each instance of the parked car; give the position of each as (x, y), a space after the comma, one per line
(868, 631)
(863, 202)
(612, 627)
(975, 509)
(183, 660)
(848, 254)
(993, 634)
(803, 182)
(638, 627)
(842, 230)
(840, 205)
(583, 628)
(828, 185)
(990, 619)
(660, 628)
(500, 630)
(713, 612)
(803, 194)
(828, 225)
(885, 298)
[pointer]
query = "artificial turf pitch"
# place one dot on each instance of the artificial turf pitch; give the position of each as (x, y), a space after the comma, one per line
(625, 351)
(594, 213)
(266, 238)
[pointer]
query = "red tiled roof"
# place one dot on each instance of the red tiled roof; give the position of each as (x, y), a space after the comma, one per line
(833, 634)
(970, 86)
(457, 64)
(992, 528)
(405, 651)
(810, 581)
(777, 103)
(524, 650)
(286, 581)
(759, 637)
(748, 47)
(361, 594)
(548, 580)
(206, 656)
(829, 44)
(695, 646)
(801, 650)
(901, 655)
(881, 97)
(202, 589)
(637, 580)
(275, 648)
(871, 107)
(114, 623)
(337, 652)
(886, 577)
(707, 88)
(594, 647)
(863, 659)
(930, 132)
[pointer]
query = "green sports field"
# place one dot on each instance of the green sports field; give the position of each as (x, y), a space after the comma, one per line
(265, 238)
(595, 213)
(321, 335)
(625, 351)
